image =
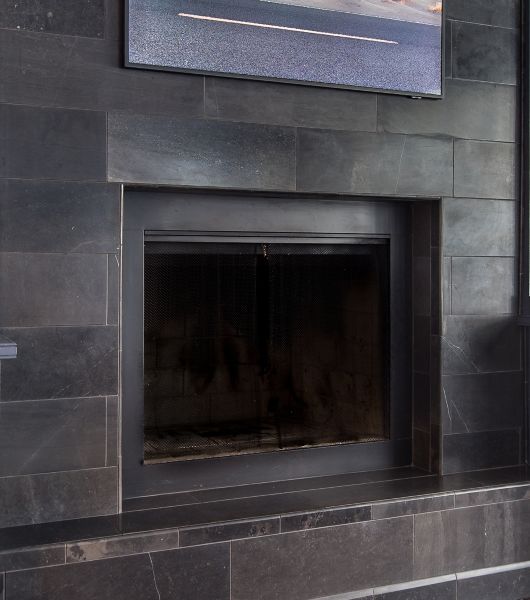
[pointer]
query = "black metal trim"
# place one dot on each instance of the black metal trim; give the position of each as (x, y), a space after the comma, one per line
(413, 95)
(214, 215)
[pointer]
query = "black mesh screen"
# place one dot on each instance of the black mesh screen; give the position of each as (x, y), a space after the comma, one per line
(253, 347)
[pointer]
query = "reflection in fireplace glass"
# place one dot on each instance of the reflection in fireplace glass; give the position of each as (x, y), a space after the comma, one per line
(260, 347)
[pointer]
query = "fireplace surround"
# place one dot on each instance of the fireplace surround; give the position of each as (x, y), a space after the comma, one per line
(269, 337)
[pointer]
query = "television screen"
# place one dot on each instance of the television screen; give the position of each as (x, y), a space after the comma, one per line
(391, 45)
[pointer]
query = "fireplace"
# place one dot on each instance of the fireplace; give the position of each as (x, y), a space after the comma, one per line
(257, 347)
(267, 337)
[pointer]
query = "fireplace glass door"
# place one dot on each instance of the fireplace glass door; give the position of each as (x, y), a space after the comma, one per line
(264, 346)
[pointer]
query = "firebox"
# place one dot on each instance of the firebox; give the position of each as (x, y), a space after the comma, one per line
(263, 338)
(256, 347)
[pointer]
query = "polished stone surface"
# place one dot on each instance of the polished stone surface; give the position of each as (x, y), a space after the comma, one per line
(509, 585)
(477, 344)
(122, 546)
(471, 538)
(86, 73)
(116, 579)
(373, 163)
(481, 450)
(61, 362)
(57, 496)
(298, 106)
(64, 216)
(481, 402)
(485, 53)
(156, 150)
(483, 285)
(477, 227)
(193, 536)
(32, 558)
(65, 289)
(326, 518)
(456, 115)
(199, 573)
(314, 563)
(484, 170)
(70, 435)
(34, 143)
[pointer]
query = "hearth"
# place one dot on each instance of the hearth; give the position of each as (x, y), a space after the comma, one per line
(268, 337)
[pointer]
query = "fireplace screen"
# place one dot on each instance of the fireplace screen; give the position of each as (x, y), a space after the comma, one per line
(252, 347)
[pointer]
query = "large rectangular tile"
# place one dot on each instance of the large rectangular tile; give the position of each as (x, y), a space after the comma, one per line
(61, 362)
(481, 450)
(52, 289)
(52, 143)
(482, 401)
(29, 499)
(49, 216)
(52, 435)
(373, 163)
(49, 70)
(482, 286)
(165, 150)
(485, 170)
(55, 16)
(335, 560)
(512, 584)
(200, 573)
(503, 13)
(122, 546)
(298, 106)
(485, 53)
(471, 538)
(468, 110)
(115, 579)
(475, 344)
(474, 227)
(32, 558)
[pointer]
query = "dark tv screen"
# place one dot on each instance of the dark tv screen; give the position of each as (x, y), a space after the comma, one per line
(385, 45)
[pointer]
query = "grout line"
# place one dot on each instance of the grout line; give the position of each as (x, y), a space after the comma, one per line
(106, 430)
(107, 294)
(230, 569)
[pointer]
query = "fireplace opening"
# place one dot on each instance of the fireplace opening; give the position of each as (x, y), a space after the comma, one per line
(258, 347)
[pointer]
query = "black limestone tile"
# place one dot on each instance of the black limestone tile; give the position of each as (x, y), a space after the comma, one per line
(84, 18)
(484, 53)
(297, 106)
(27, 499)
(481, 450)
(43, 436)
(152, 149)
(50, 216)
(322, 562)
(374, 163)
(38, 289)
(61, 362)
(52, 143)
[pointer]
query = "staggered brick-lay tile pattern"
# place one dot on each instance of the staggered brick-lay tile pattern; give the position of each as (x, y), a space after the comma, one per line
(75, 125)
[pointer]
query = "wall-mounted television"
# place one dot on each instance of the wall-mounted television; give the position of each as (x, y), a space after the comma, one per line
(382, 45)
